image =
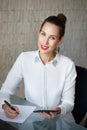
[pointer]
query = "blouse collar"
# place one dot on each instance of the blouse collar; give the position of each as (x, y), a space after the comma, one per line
(53, 62)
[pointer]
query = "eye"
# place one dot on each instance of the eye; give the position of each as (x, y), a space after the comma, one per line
(52, 37)
(42, 33)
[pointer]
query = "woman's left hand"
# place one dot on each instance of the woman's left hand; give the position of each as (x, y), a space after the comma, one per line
(51, 115)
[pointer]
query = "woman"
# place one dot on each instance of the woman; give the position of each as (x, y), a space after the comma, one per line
(49, 77)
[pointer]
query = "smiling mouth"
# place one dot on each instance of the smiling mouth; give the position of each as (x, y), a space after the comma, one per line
(44, 47)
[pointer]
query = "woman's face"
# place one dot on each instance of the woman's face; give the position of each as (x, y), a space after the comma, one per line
(48, 38)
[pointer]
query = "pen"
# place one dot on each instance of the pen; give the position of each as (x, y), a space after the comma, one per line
(8, 104)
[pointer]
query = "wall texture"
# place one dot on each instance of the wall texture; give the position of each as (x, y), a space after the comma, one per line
(20, 21)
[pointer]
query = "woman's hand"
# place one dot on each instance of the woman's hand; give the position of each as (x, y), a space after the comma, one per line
(9, 112)
(51, 115)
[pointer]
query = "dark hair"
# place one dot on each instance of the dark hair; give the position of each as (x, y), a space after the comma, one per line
(59, 20)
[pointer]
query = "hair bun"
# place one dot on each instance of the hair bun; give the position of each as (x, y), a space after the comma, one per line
(62, 18)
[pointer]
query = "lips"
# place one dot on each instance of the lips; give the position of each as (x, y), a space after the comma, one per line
(44, 47)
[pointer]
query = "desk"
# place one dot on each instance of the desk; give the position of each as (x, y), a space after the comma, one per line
(37, 122)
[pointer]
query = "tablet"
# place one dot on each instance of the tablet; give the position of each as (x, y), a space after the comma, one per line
(47, 110)
(5, 126)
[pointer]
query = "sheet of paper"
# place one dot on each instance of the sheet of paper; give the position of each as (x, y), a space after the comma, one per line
(25, 112)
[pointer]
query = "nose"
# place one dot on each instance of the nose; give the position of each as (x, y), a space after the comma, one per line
(46, 41)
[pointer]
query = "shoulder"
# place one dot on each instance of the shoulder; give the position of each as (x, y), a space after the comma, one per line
(66, 60)
(66, 63)
(26, 55)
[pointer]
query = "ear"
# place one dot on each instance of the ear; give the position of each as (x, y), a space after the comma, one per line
(61, 40)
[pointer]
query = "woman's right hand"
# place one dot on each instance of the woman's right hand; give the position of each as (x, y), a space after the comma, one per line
(9, 112)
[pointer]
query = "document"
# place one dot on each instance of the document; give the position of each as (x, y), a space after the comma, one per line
(25, 112)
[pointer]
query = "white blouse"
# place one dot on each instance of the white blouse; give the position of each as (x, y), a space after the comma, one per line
(47, 85)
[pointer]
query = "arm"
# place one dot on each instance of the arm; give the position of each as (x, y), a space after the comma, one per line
(67, 100)
(12, 81)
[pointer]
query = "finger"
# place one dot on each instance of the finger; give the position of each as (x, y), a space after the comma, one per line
(17, 109)
(9, 112)
(52, 114)
(47, 115)
(11, 115)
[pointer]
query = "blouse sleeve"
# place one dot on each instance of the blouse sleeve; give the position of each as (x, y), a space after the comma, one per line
(68, 95)
(13, 78)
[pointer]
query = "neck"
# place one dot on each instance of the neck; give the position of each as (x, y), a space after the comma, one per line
(47, 57)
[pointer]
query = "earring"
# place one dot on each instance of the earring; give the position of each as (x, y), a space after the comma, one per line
(58, 48)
